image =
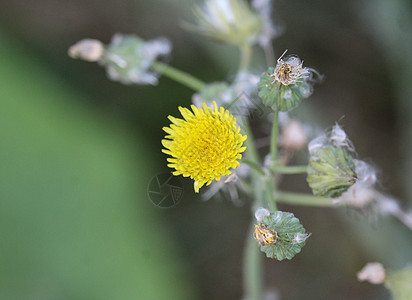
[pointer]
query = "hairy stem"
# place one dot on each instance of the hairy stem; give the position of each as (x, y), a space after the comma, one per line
(178, 76)
(252, 259)
(302, 199)
(290, 169)
(274, 139)
(245, 56)
(252, 268)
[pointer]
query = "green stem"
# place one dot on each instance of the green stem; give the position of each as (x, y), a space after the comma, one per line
(270, 187)
(252, 258)
(253, 158)
(245, 56)
(302, 199)
(178, 76)
(271, 182)
(274, 140)
(253, 165)
(290, 169)
(252, 268)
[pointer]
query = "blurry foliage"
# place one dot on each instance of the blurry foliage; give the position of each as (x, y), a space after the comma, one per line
(74, 219)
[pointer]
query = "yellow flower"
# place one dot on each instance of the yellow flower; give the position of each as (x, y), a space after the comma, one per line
(205, 145)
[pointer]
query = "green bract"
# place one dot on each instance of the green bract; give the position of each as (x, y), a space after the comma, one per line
(331, 172)
(128, 58)
(290, 238)
(279, 96)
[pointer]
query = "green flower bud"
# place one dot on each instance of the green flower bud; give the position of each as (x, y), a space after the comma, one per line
(280, 235)
(331, 171)
(284, 87)
(228, 21)
(128, 58)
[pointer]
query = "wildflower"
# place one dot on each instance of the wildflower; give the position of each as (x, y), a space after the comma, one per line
(280, 234)
(228, 21)
(204, 145)
(284, 87)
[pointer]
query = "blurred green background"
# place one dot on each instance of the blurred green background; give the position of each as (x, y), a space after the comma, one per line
(77, 152)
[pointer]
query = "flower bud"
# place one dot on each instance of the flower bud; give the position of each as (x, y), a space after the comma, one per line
(128, 58)
(228, 21)
(284, 87)
(280, 234)
(331, 171)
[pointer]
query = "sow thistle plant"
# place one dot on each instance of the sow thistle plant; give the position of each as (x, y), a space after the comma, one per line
(218, 151)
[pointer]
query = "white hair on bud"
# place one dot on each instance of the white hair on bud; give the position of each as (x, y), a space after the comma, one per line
(340, 139)
(300, 237)
(261, 213)
(316, 144)
(365, 172)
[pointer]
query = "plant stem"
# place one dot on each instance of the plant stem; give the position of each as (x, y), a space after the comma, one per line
(245, 55)
(270, 188)
(290, 169)
(302, 199)
(253, 158)
(253, 165)
(178, 76)
(252, 258)
(252, 268)
(274, 139)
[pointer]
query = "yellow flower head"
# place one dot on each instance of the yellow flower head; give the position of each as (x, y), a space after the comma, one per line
(205, 145)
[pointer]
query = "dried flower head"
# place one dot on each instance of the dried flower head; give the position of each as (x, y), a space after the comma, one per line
(204, 145)
(280, 234)
(290, 71)
(285, 86)
(265, 235)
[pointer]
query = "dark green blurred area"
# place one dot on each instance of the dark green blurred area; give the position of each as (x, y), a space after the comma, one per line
(77, 152)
